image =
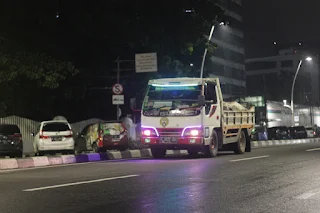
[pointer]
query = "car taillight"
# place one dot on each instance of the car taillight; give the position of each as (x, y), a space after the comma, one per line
(70, 135)
(192, 131)
(17, 135)
(149, 132)
(41, 136)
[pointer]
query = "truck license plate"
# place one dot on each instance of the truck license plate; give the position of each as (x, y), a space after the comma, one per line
(168, 140)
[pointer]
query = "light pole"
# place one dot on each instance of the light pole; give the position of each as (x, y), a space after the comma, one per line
(292, 90)
(206, 48)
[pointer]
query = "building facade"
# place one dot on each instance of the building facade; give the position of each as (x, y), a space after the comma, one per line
(227, 62)
(272, 77)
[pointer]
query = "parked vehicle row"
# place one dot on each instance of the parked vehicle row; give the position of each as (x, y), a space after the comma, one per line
(57, 136)
(285, 133)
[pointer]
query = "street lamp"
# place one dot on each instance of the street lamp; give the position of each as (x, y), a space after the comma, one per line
(292, 89)
(206, 49)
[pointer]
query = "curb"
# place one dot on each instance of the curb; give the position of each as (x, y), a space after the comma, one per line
(33, 162)
(43, 161)
(260, 144)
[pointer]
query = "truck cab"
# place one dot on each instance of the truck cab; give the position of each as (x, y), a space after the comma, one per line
(190, 114)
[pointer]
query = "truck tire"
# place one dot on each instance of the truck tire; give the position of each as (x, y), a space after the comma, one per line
(240, 146)
(158, 153)
(212, 149)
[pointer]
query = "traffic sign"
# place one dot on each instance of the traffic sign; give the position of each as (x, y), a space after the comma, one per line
(117, 89)
(118, 99)
(146, 62)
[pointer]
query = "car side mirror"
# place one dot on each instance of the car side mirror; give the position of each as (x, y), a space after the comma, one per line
(201, 100)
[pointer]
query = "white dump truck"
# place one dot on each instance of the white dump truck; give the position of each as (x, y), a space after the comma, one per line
(190, 114)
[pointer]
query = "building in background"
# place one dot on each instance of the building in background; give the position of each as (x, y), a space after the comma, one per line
(272, 77)
(227, 61)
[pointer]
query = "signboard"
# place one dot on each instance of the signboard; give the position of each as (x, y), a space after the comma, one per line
(117, 89)
(146, 62)
(118, 99)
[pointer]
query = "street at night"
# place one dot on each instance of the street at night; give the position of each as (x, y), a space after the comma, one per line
(275, 179)
(197, 106)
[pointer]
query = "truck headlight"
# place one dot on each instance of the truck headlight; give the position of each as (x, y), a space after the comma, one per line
(192, 131)
(149, 131)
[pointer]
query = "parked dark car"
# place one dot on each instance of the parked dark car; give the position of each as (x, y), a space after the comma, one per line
(298, 132)
(102, 136)
(10, 140)
(278, 133)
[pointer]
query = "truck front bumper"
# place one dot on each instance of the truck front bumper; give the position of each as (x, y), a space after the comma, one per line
(182, 143)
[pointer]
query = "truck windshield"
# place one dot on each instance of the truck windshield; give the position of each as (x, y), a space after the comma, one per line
(172, 101)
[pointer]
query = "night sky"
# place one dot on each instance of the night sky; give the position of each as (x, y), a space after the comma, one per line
(284, 21)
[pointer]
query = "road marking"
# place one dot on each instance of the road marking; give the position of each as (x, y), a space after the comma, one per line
(310, 150)
(79, 183)
(70, 164)
(243, 159)
(307, 195)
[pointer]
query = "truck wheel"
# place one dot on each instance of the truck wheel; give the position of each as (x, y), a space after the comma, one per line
(158, 153)
(240, 146)
(212, 149)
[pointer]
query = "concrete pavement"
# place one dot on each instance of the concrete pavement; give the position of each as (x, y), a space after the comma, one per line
(273, 179)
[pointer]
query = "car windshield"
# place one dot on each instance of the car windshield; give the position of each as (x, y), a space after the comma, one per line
(112, 128)
(281, 128)
(9, 129)
(55, 127)
(172, 100)
(299, 128)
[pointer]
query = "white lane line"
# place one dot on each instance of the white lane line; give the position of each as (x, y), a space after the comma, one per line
(78, 183)
(307, 195)
(310, 150)
(71, 164)
(243, 159)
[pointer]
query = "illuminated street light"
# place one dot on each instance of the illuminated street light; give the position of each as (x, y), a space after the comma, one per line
(308, 59)
(292, 89)
(209, 39)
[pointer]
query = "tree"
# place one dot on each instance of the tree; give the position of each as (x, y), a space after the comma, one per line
(25, 76)
(45, 70)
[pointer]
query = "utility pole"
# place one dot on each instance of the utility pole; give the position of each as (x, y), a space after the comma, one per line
(118, 61)
(118, 80)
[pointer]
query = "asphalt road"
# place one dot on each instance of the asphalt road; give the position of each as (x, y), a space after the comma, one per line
(275, 179)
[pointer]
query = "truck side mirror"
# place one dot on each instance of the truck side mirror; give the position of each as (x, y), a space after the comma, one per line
(201, 100)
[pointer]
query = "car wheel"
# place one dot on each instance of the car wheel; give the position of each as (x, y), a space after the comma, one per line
(95, 148)
(123, 148)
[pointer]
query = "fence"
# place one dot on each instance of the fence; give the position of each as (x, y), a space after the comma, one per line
(27, 127)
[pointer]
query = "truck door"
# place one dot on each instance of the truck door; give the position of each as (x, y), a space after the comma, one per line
(210, 96)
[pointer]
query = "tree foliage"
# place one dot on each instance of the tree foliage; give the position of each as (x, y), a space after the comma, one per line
(92, 34)
(47, 71)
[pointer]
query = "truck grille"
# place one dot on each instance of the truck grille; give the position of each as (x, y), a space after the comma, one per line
(169, 132)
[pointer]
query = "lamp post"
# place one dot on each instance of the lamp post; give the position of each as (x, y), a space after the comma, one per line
(292, 89)
(206, 49)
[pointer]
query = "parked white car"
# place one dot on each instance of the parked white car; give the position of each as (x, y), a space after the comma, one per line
(53, 136)
(310, 132)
